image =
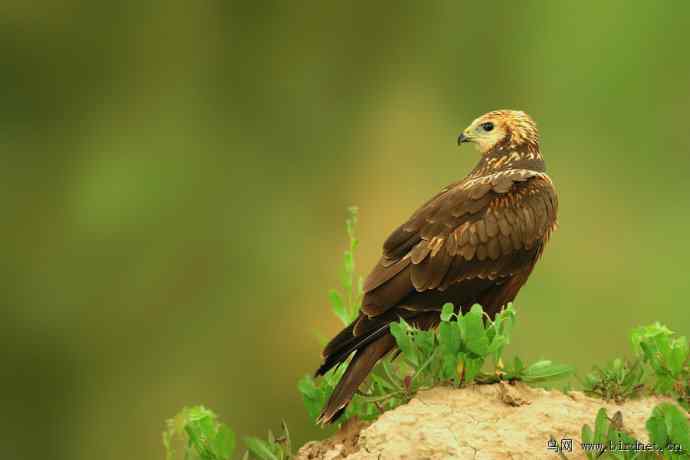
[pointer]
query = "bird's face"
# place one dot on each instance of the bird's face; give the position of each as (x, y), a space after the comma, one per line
(508, 127)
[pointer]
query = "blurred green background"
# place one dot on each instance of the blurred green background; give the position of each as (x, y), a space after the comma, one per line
(174, 179)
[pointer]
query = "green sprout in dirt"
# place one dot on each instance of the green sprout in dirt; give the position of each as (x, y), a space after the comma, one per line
(663, 356)
(458, 351)
(668, 356)
(273, 448)
(618, 381)
(667, 428)
(203, 437)
(607, 436)
(661, 366)
(345, 305)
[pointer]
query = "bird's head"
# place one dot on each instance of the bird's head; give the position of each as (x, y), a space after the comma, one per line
(509, 129)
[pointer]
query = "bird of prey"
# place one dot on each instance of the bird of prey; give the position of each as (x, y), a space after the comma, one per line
(476, 241)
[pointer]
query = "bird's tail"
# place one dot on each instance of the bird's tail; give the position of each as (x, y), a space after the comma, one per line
(369, 349)
(370, 339)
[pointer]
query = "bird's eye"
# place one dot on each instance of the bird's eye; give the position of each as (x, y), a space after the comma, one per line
(488, 126)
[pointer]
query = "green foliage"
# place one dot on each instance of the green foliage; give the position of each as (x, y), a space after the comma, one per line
(455, 353)
(345, 304)
(662, 366)
(664, 356)
(466, 341)
(541, 371)
(618, 381)
(668, 356)
(667, 428)
(458, 351)
(203, 436)
(315, 393)
(366, 405)
(270, 449)
(607, 433)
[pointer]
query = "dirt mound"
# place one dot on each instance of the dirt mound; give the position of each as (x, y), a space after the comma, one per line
(500, 421)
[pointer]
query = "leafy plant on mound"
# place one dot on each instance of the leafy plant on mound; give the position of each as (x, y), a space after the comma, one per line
(662, 367)
(668, 357)
(668, 431)
(203, 437)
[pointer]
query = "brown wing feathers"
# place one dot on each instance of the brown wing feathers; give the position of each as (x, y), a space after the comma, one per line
(483, 231)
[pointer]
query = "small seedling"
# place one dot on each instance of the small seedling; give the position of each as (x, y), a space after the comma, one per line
(458, 351)
(667, 428)
(617, 381)
(668, 355)
(540, 372)
(202, 435)
(272, 448)
(609, 440)
(345, 305)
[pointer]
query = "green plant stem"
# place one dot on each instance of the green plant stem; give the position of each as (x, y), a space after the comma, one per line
(389, 374)
(424, 365)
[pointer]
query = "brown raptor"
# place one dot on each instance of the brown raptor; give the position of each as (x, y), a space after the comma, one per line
(476, 241)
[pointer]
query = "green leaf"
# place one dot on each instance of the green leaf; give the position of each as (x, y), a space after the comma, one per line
(656, 427)
(206, 437)
(646, 332)
(601, 426)
(472, 367)
(546, 370)
(506, 320)
(338, 306)
(447, 312)
(399, 331)
(449, 338)
(475, 337)
(669, 424)
(449, 365)
(664, 383)
(425, 341)
(677, 426)
(348, 270)
(314, 397)
(497, 345)
(224, 443)
(260, 448)
(385, 384)
(518, 366)
(678, 355)
(587, 435)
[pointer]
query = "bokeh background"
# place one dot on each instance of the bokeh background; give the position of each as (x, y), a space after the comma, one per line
(174, 178)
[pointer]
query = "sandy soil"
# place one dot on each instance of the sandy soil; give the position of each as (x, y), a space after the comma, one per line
(481, 422)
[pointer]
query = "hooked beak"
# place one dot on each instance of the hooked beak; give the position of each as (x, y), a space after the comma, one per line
(463, 138)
